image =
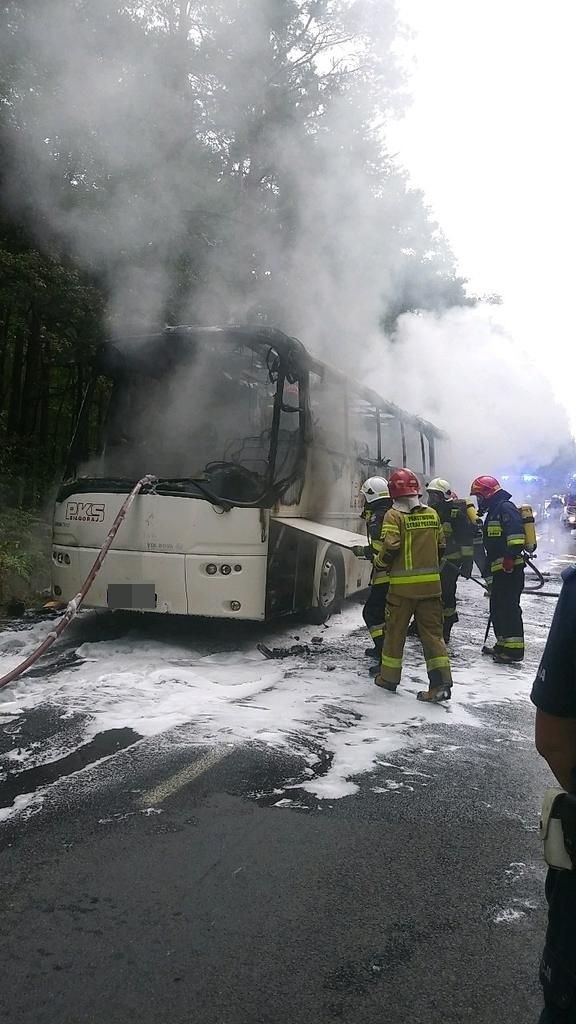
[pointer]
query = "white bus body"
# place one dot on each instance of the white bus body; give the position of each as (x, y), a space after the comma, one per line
(287, 552)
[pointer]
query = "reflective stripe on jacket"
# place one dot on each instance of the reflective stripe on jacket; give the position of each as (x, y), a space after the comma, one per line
(503, 533)
(374, 525)
(413, 543)
(458, 533)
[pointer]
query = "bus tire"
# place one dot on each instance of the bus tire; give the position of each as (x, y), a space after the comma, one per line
(330, 588)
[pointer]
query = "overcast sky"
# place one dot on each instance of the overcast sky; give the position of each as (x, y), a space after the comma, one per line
(490, 138)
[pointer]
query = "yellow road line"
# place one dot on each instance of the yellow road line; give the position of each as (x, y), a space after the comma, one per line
(176, 782)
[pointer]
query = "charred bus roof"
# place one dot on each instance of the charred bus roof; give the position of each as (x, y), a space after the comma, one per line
(170, 345)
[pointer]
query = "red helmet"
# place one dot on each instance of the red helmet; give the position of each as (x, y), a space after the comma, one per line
(404, 484)
(484, 487)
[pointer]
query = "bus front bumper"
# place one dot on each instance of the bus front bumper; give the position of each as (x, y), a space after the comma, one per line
(215, 586)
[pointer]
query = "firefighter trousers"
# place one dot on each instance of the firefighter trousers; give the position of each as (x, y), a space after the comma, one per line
(449, 582)
(427, 612)
(506, 613)
(373, 612)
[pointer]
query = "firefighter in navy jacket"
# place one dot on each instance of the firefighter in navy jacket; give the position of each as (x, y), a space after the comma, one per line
(504, 566)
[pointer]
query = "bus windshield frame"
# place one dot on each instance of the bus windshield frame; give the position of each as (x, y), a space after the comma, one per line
(226, 482)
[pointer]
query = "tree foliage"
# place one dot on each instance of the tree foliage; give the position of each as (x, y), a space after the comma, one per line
(170, 160)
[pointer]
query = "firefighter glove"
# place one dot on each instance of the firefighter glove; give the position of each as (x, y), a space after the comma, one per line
(508, 564)
(466, 570)
(362, 551)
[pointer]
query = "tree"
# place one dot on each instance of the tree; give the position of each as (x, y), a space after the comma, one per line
(172, 160)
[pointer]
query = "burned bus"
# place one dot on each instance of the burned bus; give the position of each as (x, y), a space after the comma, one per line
(258, 450)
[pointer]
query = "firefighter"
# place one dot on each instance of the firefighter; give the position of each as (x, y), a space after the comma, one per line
(459, 537)
(479, 556)
(377, 501)
(504, 543)
(412, 545)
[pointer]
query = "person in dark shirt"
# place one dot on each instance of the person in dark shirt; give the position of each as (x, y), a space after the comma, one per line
(554, 694)
(459, 536)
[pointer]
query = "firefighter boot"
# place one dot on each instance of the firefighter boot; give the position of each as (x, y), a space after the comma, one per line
(385, 685)
(435, 694)
(374, 652)
(501, 658)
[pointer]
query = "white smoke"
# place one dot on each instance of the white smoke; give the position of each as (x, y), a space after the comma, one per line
(142, 158)
(463, 371)
(152, 183)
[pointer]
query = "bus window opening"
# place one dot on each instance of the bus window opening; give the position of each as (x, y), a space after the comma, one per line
(225, 415)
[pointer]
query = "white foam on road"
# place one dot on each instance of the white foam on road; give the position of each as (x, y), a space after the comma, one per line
(508, 916)
(26, 804)
(177, 691)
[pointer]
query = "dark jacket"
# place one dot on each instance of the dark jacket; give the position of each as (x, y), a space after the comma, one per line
(458, 534)
(503, 534)
(374, 517)
(554, 690)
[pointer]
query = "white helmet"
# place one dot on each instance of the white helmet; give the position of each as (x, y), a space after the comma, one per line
(375, 488)
(438, 484)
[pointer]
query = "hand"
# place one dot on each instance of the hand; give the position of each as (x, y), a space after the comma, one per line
(362, 551)
(465, 571)
(508, 564)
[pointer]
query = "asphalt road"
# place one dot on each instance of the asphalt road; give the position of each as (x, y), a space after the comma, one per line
(420, 903)
(200, 885)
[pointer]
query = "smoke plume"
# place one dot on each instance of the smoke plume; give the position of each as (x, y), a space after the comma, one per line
(463, 371)
(224, 162)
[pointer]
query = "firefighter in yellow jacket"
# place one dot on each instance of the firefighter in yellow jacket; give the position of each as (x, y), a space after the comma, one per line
(413, 544)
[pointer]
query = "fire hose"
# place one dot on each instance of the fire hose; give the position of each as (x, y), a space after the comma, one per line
(73, 605)
(530, 590)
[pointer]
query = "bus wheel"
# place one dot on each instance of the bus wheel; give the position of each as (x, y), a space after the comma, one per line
(330, 588)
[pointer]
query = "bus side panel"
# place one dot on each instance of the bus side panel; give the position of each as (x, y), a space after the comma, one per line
(331, 496)
(291, 566)
(331, 492)
(295, 566)
(358, 572)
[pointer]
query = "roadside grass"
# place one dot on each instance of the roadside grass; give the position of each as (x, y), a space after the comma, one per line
(24, 557)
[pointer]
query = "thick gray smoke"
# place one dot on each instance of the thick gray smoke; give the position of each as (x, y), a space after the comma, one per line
(231, 215)
(275, 215)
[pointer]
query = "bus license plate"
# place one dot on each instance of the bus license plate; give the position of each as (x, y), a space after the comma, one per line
(141, 596)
